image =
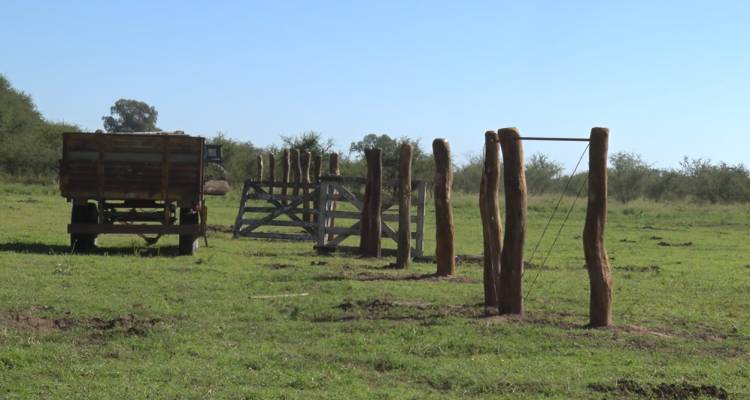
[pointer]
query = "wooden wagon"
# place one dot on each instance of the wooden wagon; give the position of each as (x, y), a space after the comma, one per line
(149, 184)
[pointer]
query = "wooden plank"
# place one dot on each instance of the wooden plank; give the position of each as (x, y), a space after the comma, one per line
(241, 211)
(280, 223)
(134, 229)
(421, 198)
(298, 237)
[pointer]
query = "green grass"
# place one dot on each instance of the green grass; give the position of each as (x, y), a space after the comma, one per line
(137, 322)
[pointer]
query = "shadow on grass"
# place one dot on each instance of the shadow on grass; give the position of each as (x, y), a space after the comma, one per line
(56, 249)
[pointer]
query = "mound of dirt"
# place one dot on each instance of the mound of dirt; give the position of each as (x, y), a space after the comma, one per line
(128, 323)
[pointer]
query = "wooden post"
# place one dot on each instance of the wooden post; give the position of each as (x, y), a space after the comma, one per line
(296, 172)
(511, 260)
(322, 211)
(259, 170)
(285, 164)
(445, 254)
(489, 209)
(421, 196)
(371, 229)
(333, 170)
(305, 161)
(597, 261)
(317, 164)
(271, 172)
(404, 206)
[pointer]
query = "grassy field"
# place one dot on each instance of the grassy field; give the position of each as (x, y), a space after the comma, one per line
(139, 322)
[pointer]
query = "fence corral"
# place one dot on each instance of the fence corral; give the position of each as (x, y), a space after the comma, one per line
(305, 209)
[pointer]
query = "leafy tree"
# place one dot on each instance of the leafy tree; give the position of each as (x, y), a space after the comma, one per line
(542, 174)
(422, 168)
(239, 159)
(628, 175)
(467, 177)
(309, 141)
(131, 116)
(29, 145)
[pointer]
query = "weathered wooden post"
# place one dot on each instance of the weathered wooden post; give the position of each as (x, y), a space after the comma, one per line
(403, 256)
(597, 261)
(489, 209)
(305, 161)
(333, 170)
(445, 254)
(371, 229)
(511, 260)
(271, 172)
(285, 165)
(296, 172)
(259, 168)
(317, 164)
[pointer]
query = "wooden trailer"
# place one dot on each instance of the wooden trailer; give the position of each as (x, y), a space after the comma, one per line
(149, 184)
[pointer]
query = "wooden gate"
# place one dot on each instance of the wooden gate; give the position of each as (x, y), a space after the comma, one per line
(331, 197)
(335, 189)
(294, 207)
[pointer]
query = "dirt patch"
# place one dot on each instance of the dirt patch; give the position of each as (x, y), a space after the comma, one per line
(640, 268)
(220, 228)
(668, 391)
(384, 309)
(628, 241)
(129, 324)
(279, 266)
(667, 244)
(655, 238)
(380, 276)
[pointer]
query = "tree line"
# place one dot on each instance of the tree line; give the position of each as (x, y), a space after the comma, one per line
(30, 147)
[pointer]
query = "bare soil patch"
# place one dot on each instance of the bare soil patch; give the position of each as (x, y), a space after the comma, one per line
(129, 324)
(668, 391)
(380, 276)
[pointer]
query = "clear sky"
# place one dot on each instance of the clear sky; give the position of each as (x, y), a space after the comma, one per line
(669, 78)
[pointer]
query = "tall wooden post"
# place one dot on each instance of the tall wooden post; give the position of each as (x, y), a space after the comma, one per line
(285, 165)
(296, 172)
(333, 170)
(259, 168)
(305, 163)
(404, 206)
(511, 259)
(489, 208)
(445, 254)
(317, 164)
(597, 261)
(271, 172)
(371, 228)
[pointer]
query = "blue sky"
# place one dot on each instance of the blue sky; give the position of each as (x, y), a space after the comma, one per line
(669, 78)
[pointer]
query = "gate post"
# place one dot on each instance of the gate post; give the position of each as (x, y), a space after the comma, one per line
(489, 209)
(404, 207)
(445, 254)
(371, 229)
(511, 259)
(597, 261)
(333, 170)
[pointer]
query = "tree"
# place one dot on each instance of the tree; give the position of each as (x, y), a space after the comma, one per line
(627, 176)
(29, 145)
(542, 173)
(309, 141)
(131, 116)
(422, 168)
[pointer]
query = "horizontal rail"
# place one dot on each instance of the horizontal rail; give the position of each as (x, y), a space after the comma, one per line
(135, 229)
(281, 223)
(554, 139)
(298, 237)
